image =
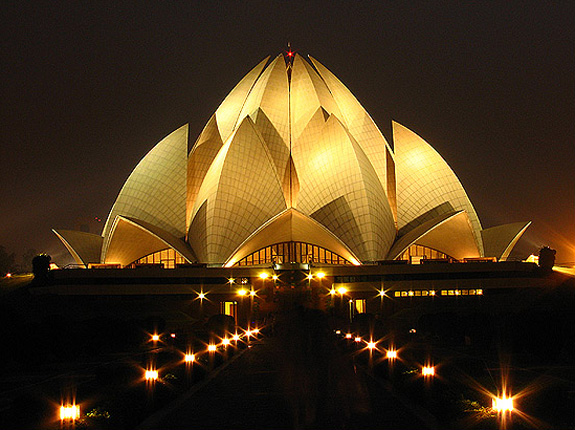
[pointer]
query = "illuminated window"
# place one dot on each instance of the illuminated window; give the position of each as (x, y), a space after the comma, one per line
(444, 292)
(169, 258)
(421, 251)
(230, 309)
(397, 294)
(299, 252)
(360, 307)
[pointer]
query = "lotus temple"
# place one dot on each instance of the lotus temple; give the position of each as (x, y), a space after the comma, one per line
(292, 180)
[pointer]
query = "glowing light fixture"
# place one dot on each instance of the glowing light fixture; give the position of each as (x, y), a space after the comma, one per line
(173, 335)
(309, 277)
(189, 358)
(256, 330)
(391, 354)
(201, 296)
(348, 335)
(236, 337)
(503, 404)
(357, 339)
(275, 277)
(371, 345)
(212, 347)
(151, 375)
(342, 290)
(263, 275)
(332, 291)
(155, 337)
(428, 371)
(252, 293)
(231, 281)
(320, 275)
(69, 412)
(382, 293)
(242, 292)
(225, 341)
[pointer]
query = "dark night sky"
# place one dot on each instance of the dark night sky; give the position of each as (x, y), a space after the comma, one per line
(88, 88)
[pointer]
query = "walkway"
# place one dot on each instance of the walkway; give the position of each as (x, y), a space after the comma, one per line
(250, 393)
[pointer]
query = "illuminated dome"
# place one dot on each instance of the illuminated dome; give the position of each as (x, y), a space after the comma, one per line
(290, 168)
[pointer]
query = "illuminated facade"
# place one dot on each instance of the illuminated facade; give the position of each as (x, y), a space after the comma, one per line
(290, 168)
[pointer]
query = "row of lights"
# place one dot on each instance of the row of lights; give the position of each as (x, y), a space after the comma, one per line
(501, 405)
(71, 412)
(152, 374)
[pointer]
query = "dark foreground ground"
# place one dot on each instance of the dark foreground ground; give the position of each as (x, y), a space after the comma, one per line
(302, 373)
(251, 393)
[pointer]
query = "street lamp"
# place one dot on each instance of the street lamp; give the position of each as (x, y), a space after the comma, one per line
(69, 412)
(502, 404)
(151, 375)
(428, 371)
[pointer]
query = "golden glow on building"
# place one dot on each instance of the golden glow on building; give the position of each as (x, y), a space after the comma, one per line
(290, 168)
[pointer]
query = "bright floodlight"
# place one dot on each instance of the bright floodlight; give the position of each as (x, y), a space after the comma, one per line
(332, 291)
(189, 358)
(371, 345)
(155, 337)
(70, 412)
(263, 275)
(342, 290)
(212, 347)
(428, 371)
(242, 292)
(381, 293)
(309, 277)
(320, 275)
(503, 404)
(275, 277)
(231, 280)
(236, 337)
(252, 293)
(348, 335)
(256, 330)
(201, 296)
(151, 375)
(357, 339)
(391, 354)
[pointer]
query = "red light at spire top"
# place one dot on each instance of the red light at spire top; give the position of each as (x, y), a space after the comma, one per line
(290, 54)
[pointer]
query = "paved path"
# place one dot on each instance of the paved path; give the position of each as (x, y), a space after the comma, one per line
(249, 394)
